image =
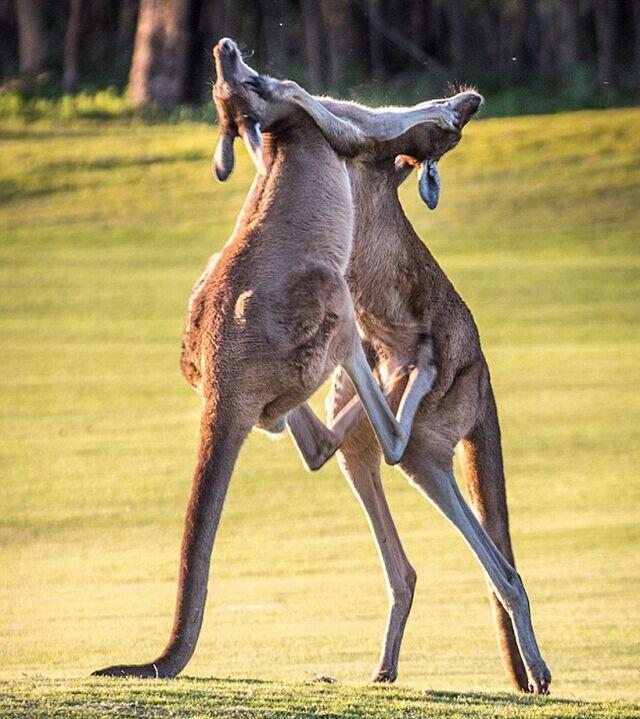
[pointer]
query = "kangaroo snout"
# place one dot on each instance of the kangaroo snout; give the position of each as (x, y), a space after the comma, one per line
(467, 104)
(227, 47)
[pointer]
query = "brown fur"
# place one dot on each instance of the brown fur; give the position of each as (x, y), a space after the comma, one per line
(268, 320)
(271, 316)
(401, 295)
(418, 298)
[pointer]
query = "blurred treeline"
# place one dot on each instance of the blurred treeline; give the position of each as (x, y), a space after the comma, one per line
(573, 53)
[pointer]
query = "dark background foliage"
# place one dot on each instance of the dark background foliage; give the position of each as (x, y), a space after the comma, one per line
(528, 54)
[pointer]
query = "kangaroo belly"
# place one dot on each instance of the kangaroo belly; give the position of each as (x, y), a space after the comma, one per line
(310, 330)
(318, 326)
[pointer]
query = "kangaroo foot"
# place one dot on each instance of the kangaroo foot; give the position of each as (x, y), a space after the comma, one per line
(141, 671)
(385, 676)
(539, 679)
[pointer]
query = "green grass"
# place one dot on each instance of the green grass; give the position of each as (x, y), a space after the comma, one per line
(103, 229)
(105, 104)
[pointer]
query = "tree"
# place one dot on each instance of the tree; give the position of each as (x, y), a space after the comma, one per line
(375, 46)
(605, 21)
(636, 41)
(31, 37)
(8, 39)
(335, 21)
(312, 25)
(71, 39)
(159, 64)
(455, 14)
(163, 47)
(569, 27)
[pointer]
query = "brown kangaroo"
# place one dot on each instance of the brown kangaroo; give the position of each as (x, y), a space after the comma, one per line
(400, 295)
(271, 317)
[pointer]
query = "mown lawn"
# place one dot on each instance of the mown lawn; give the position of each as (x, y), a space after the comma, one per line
(103, 229)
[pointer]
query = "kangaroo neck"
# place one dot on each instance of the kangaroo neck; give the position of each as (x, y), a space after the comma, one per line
(381, 226)
(302, 209)
(386, 250)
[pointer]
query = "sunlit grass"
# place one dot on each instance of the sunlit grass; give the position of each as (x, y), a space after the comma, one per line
(103, 229)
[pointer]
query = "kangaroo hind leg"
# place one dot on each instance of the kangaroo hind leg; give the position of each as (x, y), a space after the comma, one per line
(221, 435)
(436, 481)
(484, 475)
(359, 459)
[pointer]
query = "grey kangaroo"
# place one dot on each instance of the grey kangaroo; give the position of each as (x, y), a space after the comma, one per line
(271, 317)
(401, 295)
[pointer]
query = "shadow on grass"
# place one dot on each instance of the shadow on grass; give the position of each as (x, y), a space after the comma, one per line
(218, 680)
(495, 698)
(383, 690)
(191, 697)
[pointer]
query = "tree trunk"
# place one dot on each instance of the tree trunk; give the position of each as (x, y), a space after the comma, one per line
(455, 13)
(198, 53)
(223, 19)
(569, 28)
(636, 41)
(31, 40)
(312, 24)
(126, 26)
(375, 46)
(158, 68)
(334, 19)
(605, 22)
(270, 32)
(8, 36)
(217, 20)
(418, 13)
(71, 39)
(530, 53)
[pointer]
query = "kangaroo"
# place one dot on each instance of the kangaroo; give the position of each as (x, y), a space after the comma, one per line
(401, 294)
(271, 317)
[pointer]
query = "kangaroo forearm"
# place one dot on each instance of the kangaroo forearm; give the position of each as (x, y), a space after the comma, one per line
(386, 123)
(344, 136)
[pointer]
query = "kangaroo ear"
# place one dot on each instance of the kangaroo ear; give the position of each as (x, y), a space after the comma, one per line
(429, 183)
(223, 157)
(253, 142)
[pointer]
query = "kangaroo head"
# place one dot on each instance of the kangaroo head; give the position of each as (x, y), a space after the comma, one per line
(425, 144)
(235, 110)
(243, 110)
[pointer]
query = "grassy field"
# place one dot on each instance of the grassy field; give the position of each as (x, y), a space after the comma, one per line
(103, 229)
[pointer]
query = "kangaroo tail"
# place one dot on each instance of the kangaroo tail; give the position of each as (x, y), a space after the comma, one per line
(220, 441)
(484, 474)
